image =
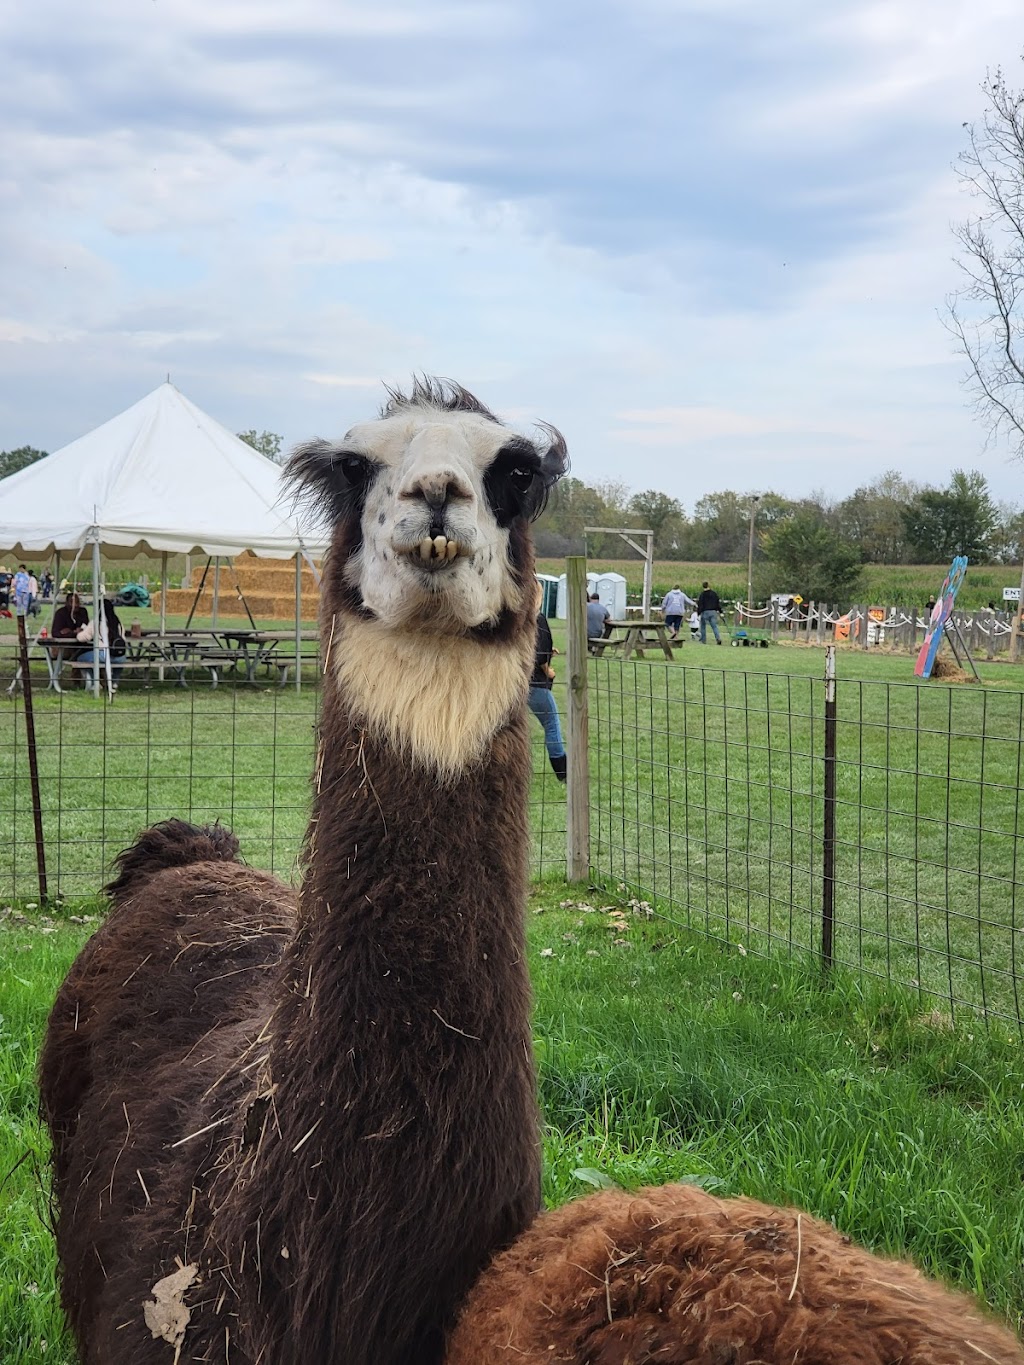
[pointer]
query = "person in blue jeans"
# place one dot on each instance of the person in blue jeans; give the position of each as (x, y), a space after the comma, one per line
(708, 608)
(542, 700)
(115, 637)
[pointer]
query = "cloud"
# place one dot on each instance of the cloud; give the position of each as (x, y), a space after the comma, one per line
(678, 426)
(701, 237)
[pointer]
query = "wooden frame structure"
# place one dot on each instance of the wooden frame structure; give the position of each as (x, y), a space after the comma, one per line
(648, 554)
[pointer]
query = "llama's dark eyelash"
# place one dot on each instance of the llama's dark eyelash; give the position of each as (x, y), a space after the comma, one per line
(514, 482)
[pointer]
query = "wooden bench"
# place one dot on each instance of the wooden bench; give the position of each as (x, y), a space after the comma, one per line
(598, 647)
(121, 665)
(126, 665)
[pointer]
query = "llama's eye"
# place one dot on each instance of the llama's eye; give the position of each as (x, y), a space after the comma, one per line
(512, 482)
(354, 470)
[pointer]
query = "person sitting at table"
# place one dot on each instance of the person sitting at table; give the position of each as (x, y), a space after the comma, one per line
(598, 617)
(115, 637)
(69, 619)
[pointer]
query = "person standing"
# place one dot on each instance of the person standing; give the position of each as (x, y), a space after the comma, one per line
(22, 591)
(673, 607)
(709, 608)
(542, 700)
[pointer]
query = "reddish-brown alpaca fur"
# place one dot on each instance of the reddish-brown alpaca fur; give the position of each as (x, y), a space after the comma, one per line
(674, 1276)
(327, 1107)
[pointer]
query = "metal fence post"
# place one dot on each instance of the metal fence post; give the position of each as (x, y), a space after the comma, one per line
(578, 785)
(828, 848)
(33, 756)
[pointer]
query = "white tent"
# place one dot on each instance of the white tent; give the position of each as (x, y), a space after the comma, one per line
(160, 478)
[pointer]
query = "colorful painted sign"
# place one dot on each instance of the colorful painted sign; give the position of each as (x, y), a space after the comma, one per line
(941, 612)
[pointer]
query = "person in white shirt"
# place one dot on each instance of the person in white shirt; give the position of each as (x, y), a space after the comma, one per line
(673, 607)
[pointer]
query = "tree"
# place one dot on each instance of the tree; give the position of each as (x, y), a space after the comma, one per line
(267, 443)
(872, 516)
(1008, 536)
(810, 557)
(958, 520)
(13, 460)
(987, 315)
(664, 516)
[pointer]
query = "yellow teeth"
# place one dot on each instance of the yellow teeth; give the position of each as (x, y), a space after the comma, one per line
(440, 548)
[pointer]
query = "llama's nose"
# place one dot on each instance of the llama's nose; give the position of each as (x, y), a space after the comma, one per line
(437, 489)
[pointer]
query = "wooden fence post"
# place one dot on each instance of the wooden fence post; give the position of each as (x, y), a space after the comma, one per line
(578, 723)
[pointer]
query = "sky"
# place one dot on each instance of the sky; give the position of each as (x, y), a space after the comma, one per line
(710, 240)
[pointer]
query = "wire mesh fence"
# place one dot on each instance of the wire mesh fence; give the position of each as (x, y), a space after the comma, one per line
(242, 755)
(708, 796)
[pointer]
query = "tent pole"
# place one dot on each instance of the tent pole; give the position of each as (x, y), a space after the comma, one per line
(163, 608)
(216, 590)
(298, 621)
(56, 576)
(97, 613)
(199, 593)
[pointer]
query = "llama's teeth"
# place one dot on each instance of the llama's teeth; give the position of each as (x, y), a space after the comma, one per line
(453, 549)
(426, 547)
(440, 545)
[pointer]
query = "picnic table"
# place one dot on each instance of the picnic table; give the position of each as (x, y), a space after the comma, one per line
(54, 652)
(632, 637)
(249, 650)
(178, 651)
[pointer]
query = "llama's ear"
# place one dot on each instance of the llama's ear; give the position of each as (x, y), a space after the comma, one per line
(554, 462)
(330, 481)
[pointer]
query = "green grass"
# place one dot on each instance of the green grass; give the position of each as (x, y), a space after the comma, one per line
(661, 1058)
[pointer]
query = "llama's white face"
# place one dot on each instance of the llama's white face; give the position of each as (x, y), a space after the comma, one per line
(428, 596)
(434, 550)
(429, 506)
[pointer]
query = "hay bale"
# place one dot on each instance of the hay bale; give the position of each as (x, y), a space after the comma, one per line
(948, 671)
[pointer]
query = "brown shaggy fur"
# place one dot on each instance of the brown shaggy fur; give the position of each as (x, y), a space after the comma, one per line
(674, 1276)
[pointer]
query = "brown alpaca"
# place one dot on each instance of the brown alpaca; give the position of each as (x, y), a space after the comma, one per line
(674, 1276)
(324, 1113)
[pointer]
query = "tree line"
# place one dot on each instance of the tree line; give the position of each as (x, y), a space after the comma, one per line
(815, 545)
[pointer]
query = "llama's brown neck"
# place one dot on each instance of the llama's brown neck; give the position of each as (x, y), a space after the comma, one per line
(400, 1142)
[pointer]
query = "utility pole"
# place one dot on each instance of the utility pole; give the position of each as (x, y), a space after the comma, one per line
(750, 556)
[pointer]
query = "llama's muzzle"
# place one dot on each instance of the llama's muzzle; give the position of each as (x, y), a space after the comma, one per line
(434, 552)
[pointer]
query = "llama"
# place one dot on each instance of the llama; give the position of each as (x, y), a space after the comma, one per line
(269, 1097)
(303, 1128)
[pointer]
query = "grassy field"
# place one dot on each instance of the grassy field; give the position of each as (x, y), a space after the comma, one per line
(707, 794)
(661, 1058)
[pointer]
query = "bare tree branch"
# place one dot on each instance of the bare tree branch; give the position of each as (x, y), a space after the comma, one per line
(986, 316)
